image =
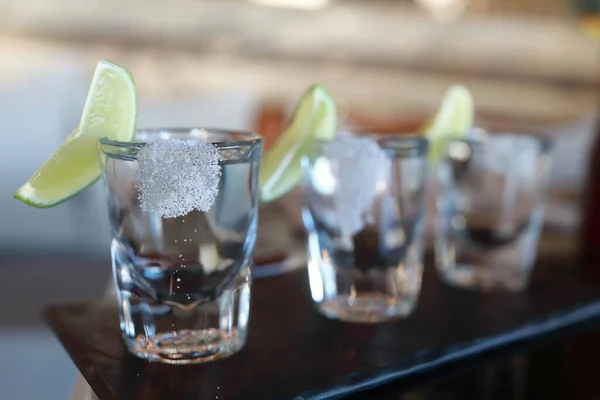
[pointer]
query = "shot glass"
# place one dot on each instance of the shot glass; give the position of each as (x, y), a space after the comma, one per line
(491, 192)
(363, 209)
(183, 281)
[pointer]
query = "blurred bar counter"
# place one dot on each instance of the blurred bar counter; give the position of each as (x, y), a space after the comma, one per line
(526, 58)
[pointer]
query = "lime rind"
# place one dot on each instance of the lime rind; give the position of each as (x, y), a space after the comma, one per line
(110, 110)
(454, 120)
(26, 194)
(314, 118)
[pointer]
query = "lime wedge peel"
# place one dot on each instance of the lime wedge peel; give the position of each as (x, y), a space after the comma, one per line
(454, 120)
(30, 196)
(315, 118)
(110, 111)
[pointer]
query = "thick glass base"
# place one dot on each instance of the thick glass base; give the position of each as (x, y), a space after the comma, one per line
(367, 308)
(485, 278)
(186, 346)
(488, 259)
(371, 296)
(175, 330)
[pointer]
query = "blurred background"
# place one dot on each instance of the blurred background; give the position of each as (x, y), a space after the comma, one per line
(532, 65)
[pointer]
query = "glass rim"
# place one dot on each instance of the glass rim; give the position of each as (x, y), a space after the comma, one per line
(415, 143)
(545, 143)
(248, 137)
(407, 145)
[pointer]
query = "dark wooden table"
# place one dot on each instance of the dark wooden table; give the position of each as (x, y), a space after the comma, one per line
(295, 353)
(565, 368)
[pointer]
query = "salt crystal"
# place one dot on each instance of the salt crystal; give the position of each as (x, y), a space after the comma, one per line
(359, 162)
(176, 177)
(510, 154)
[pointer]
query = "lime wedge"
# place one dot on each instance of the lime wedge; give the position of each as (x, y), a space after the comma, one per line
(110, 111)
(453, 120)
(315, 118)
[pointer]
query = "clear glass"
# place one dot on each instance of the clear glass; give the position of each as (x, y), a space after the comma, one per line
(490, 206)
(366, 265)
(184, 283)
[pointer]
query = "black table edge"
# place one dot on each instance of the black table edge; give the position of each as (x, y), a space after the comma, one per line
(430, 361)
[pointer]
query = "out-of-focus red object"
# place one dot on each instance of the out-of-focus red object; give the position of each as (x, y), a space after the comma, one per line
(590, 241)
(270, 122)
(368, 123)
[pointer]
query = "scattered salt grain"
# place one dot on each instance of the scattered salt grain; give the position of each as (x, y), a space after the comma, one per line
(359, 162)
(176, 177)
